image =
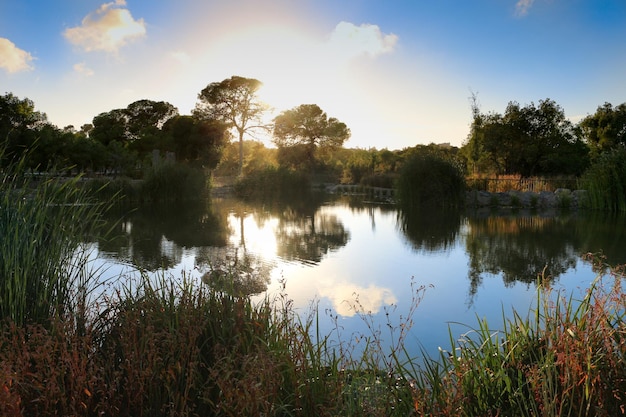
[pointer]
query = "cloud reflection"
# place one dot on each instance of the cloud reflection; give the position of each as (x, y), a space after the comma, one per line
(349, 299)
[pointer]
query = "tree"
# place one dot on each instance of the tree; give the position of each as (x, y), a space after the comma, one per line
(606, 129)
(137, 127)
(308, 125)
(196, 141)
(530, 140)
(19, 123)
(233, 101)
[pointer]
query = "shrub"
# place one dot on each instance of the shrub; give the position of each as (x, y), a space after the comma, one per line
(427, 179)
(605, 182)
(272, 183)
(171, 181)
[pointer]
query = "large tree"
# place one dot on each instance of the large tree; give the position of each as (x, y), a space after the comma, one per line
(137, 127)
(196, 141)
(234, 102)
(606, 128)
(529, 140)
(19, 124)
(307, 126)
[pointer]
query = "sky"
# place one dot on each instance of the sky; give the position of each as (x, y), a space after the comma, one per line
(398, 73)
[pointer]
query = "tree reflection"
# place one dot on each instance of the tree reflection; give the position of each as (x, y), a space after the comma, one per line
(520, 248)
(153, 236)
(237, 273)
(602, 232)
(305, 231)
(430, 228)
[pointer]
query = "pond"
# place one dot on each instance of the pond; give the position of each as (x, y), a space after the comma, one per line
(361, 263)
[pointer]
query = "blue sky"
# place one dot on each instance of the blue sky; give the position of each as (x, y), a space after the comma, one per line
(397, 72)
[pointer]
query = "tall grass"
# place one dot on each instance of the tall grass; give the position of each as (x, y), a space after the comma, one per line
(565, 358)
(605, 182)
(173, 347)
(41, 264)
(429, 180)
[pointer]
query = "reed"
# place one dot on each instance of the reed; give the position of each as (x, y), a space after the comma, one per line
(566, 357)
(605, 182)
(41, 261)
(429, 180)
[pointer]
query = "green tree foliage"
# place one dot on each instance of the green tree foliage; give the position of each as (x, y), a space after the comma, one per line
(308, 125)
(234, 102)
(19, 124)
(606, 128)
(110, 127)
(137, 127)
(196, 141)
(530, 140)
(257, 157)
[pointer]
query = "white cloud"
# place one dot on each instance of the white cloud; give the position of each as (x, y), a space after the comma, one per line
(351, 40)
(83, 69)
(107, 29)
(522, 7)
(12, 58)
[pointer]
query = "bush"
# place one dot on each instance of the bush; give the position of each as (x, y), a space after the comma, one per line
(272, 183)
(605, 182)
(171, 181)
(427, 179)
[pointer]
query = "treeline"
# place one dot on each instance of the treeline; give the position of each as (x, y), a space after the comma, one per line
(530, 140)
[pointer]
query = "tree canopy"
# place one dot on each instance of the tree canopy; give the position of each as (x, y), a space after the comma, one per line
(308, 127)
(196, 141)
(137, 126)
(234, 102)
(529, 140)
(606, 128)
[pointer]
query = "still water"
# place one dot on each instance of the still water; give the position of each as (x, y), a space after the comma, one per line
(351, 258)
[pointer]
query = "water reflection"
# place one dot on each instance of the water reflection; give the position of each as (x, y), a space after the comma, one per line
(231, 236)
(229, 270)
(430, 228)
(520, 248)
(305, 232)
(153, 236)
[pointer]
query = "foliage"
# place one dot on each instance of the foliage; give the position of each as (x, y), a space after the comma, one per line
(272, 183)
(606, 128)
(233, 101)
(429, 180)
(137, 127)
(530, 140)
(309, 126)
(256, 158)
(172, 181)
(199, 142)
(605, 181)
